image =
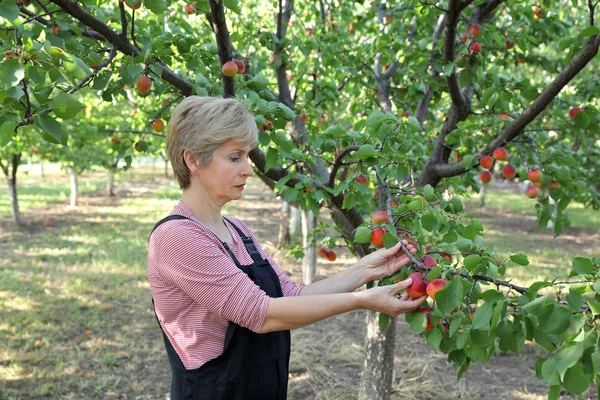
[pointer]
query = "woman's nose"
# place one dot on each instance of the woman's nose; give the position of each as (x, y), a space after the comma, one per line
(247, 171)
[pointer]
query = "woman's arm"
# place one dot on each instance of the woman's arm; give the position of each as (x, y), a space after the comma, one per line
(284, 313)
(377, 265)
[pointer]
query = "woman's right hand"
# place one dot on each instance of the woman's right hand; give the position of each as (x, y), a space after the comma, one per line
(383, 299)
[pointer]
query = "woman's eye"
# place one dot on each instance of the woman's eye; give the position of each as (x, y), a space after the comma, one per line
(235, 159)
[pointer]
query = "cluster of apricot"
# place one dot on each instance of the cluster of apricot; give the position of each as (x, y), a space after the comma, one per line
(509, 172)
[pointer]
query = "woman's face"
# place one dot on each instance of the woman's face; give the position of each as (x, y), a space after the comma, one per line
(225, 175)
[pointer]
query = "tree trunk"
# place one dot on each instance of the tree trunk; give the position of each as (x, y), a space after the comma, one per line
(309, 263)
(42, 168)
(10, 171)
(296, 223)
(74, 192)
(14, 201)
(110, 185)
(166, 168)
(377, 373)
(482, 193)
(284, 225)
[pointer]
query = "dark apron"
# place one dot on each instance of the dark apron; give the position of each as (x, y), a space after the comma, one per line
(253, 366)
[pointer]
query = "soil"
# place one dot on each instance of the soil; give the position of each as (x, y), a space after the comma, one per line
(327, 356)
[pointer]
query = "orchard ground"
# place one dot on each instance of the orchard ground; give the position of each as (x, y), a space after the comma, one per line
(76, 320)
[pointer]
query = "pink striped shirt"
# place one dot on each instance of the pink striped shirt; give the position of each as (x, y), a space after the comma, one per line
(198, 289)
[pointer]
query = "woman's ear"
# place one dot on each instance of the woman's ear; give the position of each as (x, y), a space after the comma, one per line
(191, 161)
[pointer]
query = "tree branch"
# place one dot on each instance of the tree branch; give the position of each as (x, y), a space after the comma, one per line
(515, 128)
(219, 25)
(455, 7)
(423, 105)
(121, 44)
(338, 163)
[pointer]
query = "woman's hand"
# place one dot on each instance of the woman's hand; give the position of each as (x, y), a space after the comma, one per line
(383, 299)
(384, 262)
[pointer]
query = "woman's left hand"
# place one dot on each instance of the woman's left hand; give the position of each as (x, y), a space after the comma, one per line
(384, 262)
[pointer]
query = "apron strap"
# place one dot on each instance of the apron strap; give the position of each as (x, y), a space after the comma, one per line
(249, 244)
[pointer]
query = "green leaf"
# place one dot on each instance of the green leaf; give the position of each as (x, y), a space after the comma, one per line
(335, 131)
(366, 151)
(520, 259)
(567, 357)
(6, 132)
(464, 244)
(482, 317)
(11, 72)
(538, 367)
(259, 82)
(477, 353)
(471, 261)
(416, 205)
(66, 106)
(389, 240)
(156, 6)
(50, 126)
(596, 286)
(534, 306)
(414, 122)
(550, 373)
(288, 113)
(232, 5)
(457, 357)
(554, 392)
(434, 273)
(383, 321)
(590, 31)
(505, 329)
(429, 222)
(417, 321)
(9, 10)
(362, 235)
(582, 120)
(583, 266)
(449, 298)
(594, 306)
(454, 325)
(575, 301)
(272, 157)
(554, 318)
(576, 380)
(466, 77)
(434, 337)
(375, 119)
(429, 193)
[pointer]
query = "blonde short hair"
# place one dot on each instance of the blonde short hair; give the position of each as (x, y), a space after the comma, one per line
(202, 124)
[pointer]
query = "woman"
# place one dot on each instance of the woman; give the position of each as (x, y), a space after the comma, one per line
(224, 306)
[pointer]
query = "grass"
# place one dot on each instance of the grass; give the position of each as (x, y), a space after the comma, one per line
(510, 224)
(512, 200)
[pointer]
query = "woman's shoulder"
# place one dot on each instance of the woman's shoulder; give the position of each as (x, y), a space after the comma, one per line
(178, 228)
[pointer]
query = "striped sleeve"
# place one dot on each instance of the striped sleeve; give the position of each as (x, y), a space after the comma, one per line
(196, 264)
(288, 286)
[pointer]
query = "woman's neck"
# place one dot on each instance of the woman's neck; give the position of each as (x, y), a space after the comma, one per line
(203, 207)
